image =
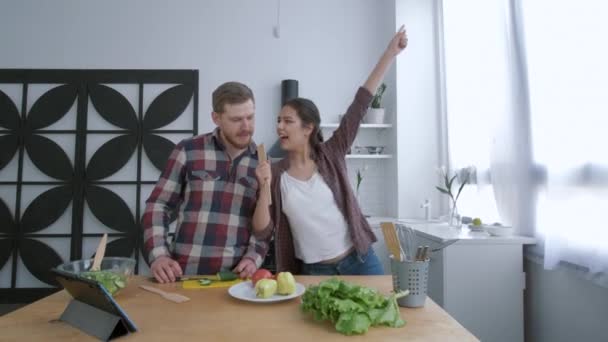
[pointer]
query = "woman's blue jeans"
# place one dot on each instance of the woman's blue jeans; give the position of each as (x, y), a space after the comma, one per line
(352, 264)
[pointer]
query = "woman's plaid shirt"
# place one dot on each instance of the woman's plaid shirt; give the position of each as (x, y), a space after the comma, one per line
(213, 199)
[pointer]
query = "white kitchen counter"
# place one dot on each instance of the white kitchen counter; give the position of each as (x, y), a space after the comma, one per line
(442, 233)
(476, 277)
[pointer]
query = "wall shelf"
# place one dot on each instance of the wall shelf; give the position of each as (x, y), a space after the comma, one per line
(335, 125)
(369, 156)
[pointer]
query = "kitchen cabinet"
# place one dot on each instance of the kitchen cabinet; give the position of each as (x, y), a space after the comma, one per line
(477, 278)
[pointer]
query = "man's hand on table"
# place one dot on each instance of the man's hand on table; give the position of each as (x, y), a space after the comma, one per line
(245, 268)
(165, 269)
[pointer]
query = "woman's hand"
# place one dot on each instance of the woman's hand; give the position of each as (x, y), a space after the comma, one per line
(398, 43)
(263, 173)
(395, 46)
(261, 215)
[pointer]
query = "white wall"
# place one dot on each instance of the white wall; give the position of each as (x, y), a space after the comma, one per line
(329, 46)
(418, 105)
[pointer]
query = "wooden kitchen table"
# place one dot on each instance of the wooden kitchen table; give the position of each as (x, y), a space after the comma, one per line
(213, 315)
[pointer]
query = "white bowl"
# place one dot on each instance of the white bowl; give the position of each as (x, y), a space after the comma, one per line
(475, 228)
(374, 149)
(498, 230)
(122, 268)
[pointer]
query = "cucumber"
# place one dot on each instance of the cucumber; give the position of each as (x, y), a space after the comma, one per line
(226, 275)
(204, 281)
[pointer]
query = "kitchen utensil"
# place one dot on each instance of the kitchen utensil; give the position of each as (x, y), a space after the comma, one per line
(219, 276)
(196, 277)
(437, 248)
(413, 276)
(262, 159)
(425, 253)
(101, 250)
(391, 239)
(419, 253)
(407, 236)
(174, 297)
(196, 284)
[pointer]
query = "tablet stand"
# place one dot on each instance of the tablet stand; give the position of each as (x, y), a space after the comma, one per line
(94, 321)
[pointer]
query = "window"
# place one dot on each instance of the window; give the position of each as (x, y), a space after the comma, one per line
(526, 88)
(568, 78)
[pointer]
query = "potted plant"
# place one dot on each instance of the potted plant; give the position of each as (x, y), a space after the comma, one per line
(375, 114)
(463, 178)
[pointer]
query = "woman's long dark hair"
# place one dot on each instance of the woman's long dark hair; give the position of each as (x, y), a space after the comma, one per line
(309, 114)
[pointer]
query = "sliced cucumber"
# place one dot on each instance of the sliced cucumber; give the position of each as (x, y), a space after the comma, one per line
(226, 275)
(205, 281)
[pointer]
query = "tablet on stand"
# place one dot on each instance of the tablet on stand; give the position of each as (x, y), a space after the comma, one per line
(92, 308)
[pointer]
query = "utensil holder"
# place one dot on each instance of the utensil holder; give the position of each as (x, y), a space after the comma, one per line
(413, 276)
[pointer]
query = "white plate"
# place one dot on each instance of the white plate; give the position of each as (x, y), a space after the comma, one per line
(474, 228)
(246, 291)
(499, 230)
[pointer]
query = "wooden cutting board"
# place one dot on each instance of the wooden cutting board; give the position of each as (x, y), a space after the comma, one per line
(194, 284)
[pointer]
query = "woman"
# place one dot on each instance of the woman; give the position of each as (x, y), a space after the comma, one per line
(317, 223)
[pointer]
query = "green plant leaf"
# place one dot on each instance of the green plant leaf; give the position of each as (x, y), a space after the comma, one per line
(443, 190)
(450, 183)
(377, 100)
(466, 180)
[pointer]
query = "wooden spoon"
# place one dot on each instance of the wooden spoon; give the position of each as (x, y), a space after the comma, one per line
(391, 239)
(262, 159)
(101, 250)
(174, 297)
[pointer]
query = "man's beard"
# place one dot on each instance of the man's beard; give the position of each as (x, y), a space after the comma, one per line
(237, 144)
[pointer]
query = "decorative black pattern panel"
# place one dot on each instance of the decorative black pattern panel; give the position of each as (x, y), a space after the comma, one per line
(46, 209)
(7, 228)
(111, 157)
(72, 180)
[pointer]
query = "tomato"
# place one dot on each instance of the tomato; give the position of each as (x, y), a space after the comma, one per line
(262, 273)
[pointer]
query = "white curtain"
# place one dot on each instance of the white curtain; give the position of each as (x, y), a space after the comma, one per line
(484, 129)
(525, 91)
(568, 75)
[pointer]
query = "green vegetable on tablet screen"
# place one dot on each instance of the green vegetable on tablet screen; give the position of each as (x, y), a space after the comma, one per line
(110, 280)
